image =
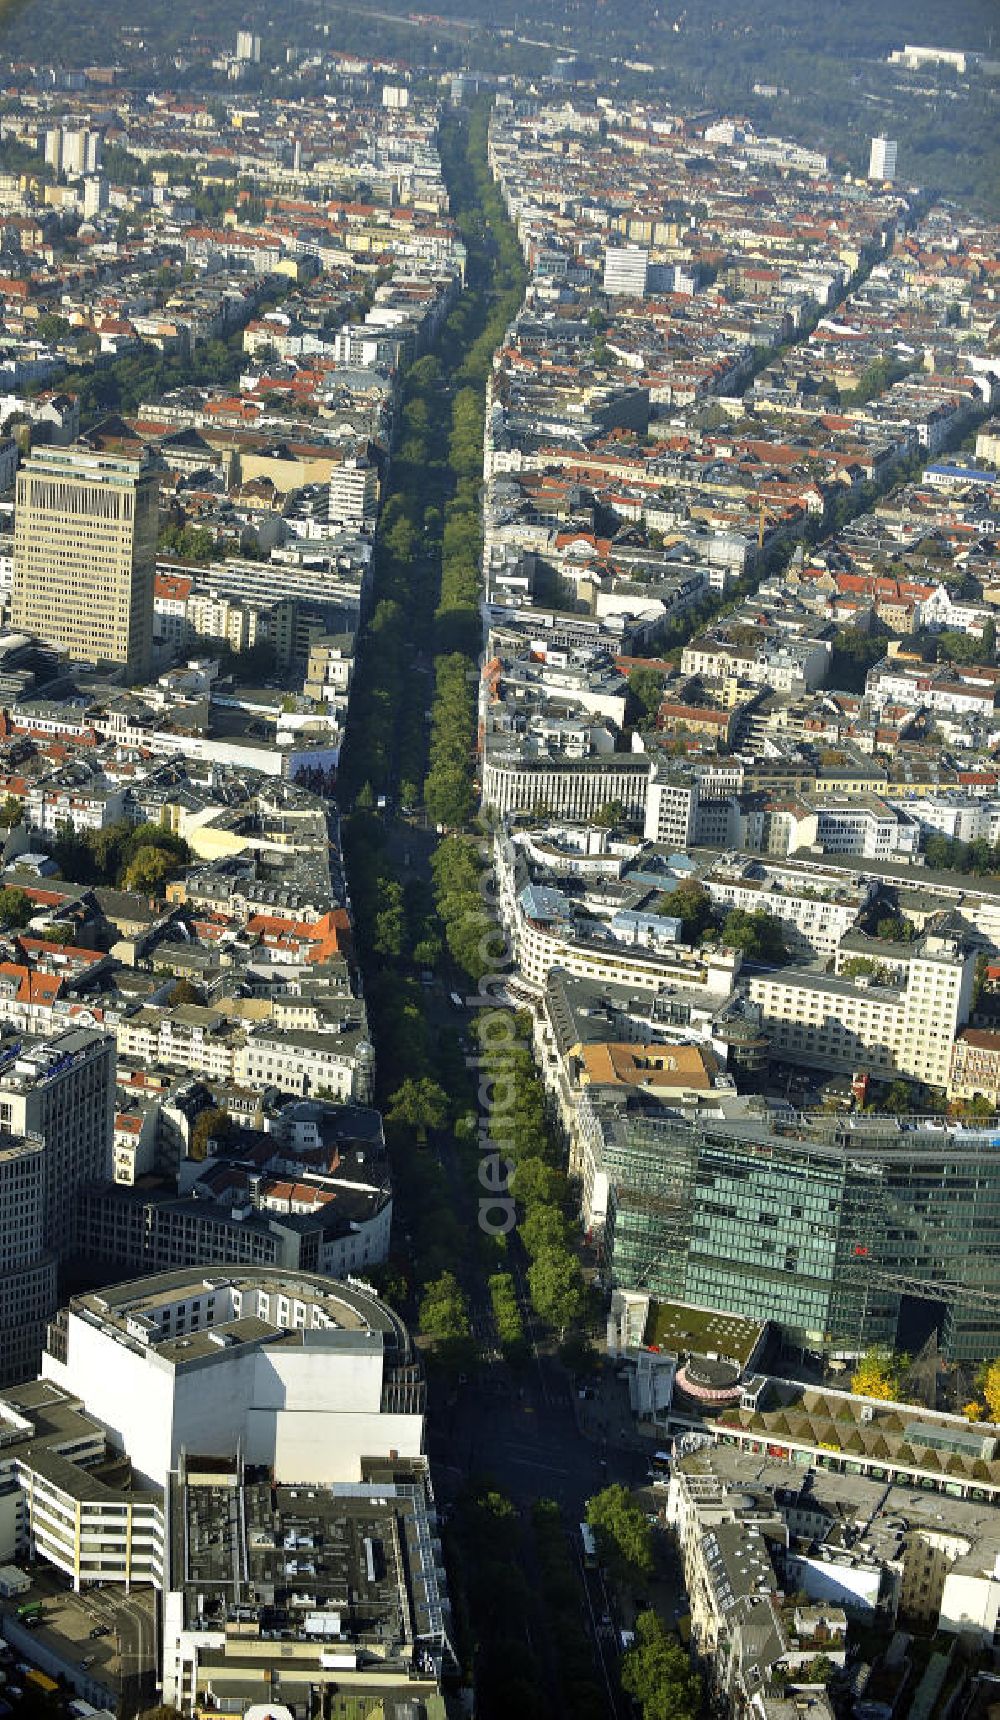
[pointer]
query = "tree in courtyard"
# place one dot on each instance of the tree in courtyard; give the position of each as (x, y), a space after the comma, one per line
(877, 1374)
(895, 928)
(211, 1124)
(646, 687)
(991, 1390)
(691, 904)
(149, 871)
(16, 907)
(758, 935)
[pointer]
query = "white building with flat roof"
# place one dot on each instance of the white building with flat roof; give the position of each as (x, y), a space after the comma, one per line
(900, 1020)
(305, 1375)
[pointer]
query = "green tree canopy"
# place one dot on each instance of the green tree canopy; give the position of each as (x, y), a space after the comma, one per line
(646, 688)
(419, 1105)
(877, 1374)
(691, 904)
(149, 870)
(211, 1124)
(16, 907)
(656, 1671)
(624, 1536)
(444, 1317)
(758, 935)
(557, 1287)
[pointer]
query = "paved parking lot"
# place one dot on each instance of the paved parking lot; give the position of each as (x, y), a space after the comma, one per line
(102, 1636)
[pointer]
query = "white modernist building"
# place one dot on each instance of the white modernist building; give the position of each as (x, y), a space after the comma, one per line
(900, 1020)
(307, 1376)
(882, 160)
(626, 271)
(64, 1497)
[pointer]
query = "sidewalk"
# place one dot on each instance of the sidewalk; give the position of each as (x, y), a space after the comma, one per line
(607, 1417)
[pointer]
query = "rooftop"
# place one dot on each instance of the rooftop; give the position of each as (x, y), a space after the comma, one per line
(347, 1570)
(685, 1329)
(240, 1309)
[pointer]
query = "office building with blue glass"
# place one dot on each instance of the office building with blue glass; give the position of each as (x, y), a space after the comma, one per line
(846, 1232)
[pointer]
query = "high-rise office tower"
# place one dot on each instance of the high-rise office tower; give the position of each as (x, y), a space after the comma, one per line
(828, 1226)
(84, 554)
(56, 1134)
(61, 1091)
(626, 271)
(882, 161)
(28, 1280)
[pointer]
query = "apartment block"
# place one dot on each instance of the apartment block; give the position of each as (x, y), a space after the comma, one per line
(626, 271)
(354, 493)
(815, 910)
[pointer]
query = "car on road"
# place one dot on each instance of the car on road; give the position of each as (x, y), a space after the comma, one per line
(88, 1660)
(100, 1630)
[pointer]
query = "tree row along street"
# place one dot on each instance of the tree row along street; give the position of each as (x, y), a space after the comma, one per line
(505, 1321)
(521, 1608)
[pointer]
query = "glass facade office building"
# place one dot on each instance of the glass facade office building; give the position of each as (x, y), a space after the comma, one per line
(825, 1226)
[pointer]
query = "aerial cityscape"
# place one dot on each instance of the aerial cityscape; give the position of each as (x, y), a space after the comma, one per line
(500, 849)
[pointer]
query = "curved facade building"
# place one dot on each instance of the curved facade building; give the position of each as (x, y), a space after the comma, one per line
(302, 1374)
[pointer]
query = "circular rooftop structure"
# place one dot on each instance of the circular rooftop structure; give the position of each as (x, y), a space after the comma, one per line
(708, 1380)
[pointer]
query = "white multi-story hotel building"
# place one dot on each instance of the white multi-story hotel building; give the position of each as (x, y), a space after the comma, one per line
(904, 1026)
